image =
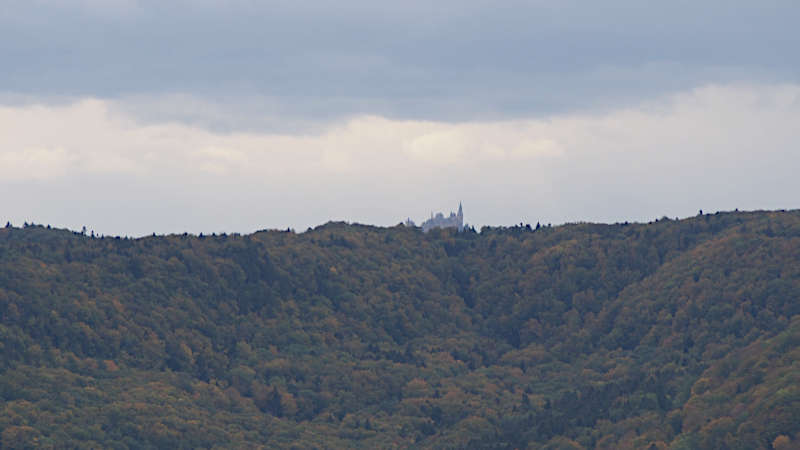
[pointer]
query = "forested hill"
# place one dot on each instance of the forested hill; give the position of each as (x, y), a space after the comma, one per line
(675, 334)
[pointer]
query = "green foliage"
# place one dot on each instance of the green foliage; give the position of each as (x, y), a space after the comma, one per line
(674, 334)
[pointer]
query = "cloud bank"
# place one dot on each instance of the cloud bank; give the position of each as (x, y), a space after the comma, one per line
(418, 60)
(89, 162)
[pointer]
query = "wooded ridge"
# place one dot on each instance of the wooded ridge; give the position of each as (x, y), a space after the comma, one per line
(679, 334)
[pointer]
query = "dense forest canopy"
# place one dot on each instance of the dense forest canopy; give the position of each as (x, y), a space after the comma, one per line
(674, 334)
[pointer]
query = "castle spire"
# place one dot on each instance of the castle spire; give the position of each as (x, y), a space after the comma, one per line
(441, 221)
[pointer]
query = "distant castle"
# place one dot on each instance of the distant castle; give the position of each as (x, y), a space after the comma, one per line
(455, 220)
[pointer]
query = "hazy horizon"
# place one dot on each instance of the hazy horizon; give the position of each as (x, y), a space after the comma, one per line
(477, 227)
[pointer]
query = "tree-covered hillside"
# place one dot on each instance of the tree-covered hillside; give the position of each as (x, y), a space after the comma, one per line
(675, 334)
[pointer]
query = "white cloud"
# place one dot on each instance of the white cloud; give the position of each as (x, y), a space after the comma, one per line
(716, 146)
(90, 138)
(34, 163)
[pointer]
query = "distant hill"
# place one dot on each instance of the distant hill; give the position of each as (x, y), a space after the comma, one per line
(674, 334)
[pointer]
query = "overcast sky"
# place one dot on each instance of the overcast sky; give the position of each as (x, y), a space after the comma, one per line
(133, 117)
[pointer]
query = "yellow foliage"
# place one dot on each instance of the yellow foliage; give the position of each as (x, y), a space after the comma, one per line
(20, 437)
(782, 442)
(417, 387)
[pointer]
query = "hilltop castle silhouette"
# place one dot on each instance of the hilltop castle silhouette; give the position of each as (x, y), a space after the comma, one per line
(455, 220)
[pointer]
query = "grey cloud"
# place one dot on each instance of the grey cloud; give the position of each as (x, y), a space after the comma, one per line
(446, 60)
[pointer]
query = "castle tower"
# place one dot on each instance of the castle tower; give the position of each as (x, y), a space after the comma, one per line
(439, 220)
